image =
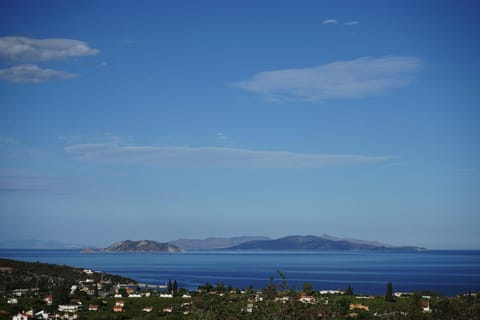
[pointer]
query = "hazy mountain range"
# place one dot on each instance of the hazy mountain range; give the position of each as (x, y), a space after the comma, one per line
(295, 242)
(38, 244)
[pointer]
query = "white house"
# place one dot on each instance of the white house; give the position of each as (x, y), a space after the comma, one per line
(68, 308)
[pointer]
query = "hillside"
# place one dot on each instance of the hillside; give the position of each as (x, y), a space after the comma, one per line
(214, 242)
(142, 246)
(317, 243)
(19, 274)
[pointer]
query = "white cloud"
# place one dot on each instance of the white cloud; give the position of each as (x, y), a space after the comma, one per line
(25, 49)
(329, 21)
(356, 78)
(221, 136)
(210, 157)
(30, 73)
(350, 23)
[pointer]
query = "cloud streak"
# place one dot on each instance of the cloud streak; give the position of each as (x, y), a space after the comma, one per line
(351, 23)
(24, 49)
(31, 73)
(358, 78)
(210, 157)
(329, 21)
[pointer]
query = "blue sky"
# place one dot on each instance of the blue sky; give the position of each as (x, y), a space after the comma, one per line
(160, 120)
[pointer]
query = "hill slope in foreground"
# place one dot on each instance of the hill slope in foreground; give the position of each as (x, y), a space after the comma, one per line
(324, 242)
(19, 274)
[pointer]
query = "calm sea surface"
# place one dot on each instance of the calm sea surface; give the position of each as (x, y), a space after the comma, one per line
(450, 272)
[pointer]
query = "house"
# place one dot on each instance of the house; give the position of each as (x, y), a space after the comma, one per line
(426, 306)
(331, 292)
(48, 300)
(358, 306)
(41, 315)
(168, 310)
(12, 301)
(282, 299)
(117, 309)
(134, 295)
(73, 289)
(166, 295)
(307, 299)
(147, 309)
(68, 308)
(118, 306)
(93, 307)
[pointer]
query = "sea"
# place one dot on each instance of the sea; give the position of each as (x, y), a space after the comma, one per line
(368, 272)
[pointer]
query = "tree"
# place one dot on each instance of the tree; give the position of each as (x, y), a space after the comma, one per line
(175, 287)
(349, 291)
(169, 286)
(308, 289)
(270, 291)
(284, 284)
(60, 294)
(389, 293)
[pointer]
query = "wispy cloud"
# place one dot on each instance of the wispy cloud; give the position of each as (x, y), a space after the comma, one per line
(351, 23)
(210, 157)
(329, 21)
(221, 136)
(24, 49)
(31, 73)
(356, 78)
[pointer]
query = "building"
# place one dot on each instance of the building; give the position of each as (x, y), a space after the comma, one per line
(358, 306)
(68, 308)
(119, 305)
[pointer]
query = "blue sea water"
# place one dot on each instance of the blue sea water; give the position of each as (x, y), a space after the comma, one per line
(449, 272)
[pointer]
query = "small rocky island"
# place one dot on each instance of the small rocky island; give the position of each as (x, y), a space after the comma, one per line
(142, 246)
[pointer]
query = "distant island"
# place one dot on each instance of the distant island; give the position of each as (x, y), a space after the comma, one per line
(142, 246)
(325, 242)
(213, 243)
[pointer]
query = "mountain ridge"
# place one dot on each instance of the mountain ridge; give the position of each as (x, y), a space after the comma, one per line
(316, 243)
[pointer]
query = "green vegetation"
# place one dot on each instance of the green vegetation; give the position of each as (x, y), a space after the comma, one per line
(389, 293)
(19, 274)
(212, 305)
(276, 301)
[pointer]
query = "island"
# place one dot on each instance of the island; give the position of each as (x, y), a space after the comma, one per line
(325, 242)
(143, 246)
